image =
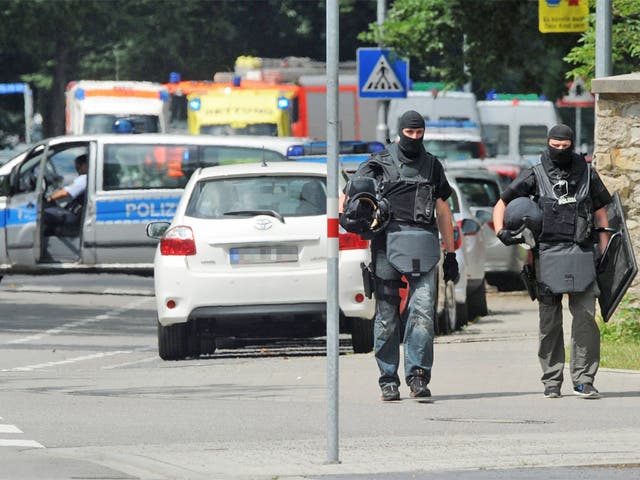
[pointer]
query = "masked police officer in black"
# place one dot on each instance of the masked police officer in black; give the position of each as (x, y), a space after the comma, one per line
(412, 192)
(572, 199)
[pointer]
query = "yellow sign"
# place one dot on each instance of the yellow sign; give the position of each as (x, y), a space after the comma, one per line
(557, 16)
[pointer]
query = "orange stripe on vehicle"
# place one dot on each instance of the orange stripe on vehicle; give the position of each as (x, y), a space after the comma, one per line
(121, 92)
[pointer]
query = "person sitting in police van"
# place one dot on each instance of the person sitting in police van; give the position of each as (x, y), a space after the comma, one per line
(70, 214)
(572, 204)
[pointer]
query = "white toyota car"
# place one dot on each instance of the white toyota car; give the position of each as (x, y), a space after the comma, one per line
(246, 256)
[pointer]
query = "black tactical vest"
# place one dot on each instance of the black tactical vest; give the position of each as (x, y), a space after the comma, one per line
(567, 208)
(411, 196)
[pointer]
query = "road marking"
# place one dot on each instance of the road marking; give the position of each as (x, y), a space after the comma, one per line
(29, 368)
(5, 428)
(79, 323)
(14, 442)
(127, 364)
(20, 443)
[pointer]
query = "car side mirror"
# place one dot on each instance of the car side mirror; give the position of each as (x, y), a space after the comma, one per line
(483, 216)
(469, 227)
(156, 229)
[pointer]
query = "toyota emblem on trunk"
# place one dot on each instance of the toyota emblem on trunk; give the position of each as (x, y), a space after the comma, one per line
(263, 224)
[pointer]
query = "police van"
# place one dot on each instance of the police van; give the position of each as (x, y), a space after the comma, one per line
(131, 180)
(515, 126)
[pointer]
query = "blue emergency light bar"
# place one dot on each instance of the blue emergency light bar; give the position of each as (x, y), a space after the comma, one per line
(451, 124)
(493, 95)
(346, 147)
(283, 103)
(195, 104)
(357, 158)
(6, 88)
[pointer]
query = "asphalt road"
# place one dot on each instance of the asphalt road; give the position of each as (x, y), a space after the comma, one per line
(83, 394)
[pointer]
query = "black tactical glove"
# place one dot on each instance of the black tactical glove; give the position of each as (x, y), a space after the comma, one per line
(450, 268)
(506, 237)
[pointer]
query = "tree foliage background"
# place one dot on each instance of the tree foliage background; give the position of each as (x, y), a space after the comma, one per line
(495, 44)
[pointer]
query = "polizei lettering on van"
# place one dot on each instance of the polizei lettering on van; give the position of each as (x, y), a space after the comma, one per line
(143, 210)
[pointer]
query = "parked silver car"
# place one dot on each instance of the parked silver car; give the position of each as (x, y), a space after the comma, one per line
(481, 190)
(471, 297)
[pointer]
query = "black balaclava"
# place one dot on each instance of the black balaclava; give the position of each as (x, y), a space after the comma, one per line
(561, 157)
(410, 148)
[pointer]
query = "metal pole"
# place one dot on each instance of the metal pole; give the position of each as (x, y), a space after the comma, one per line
(603, 38)
(28, 113)
(578, 128)
(333, 308)
(382, 130)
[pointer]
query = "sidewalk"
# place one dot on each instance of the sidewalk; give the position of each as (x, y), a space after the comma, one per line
(487, 412)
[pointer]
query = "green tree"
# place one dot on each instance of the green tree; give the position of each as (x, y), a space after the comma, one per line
(49, 43)
(625, 42)
(494, 43)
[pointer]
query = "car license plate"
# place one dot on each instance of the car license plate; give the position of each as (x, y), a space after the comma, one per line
(252, 255)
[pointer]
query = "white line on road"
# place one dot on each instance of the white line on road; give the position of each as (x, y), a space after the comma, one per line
(5, 428)
(20, 443)
(127, 364)
(79, 323)
(29, 368)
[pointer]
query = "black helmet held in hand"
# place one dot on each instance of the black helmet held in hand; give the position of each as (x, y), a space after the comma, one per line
(523, 216)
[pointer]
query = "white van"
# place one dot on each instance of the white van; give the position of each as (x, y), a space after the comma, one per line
(131, 180)
(435, 106)
(516, 129)
(92, 106)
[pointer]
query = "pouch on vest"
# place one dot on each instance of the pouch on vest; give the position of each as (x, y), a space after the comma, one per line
(413, 251)
(558, 221)
(566, 267)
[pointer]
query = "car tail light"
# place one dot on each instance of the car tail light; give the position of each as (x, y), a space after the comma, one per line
(178, 241)
(351, 241)
(457, 237)
(491, 225)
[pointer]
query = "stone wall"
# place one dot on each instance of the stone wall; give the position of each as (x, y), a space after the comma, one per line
(617, 146)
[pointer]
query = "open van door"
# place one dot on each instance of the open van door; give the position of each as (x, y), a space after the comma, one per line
(22, 234)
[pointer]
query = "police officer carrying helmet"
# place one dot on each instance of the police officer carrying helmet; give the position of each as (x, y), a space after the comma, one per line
(398, 199)
(572, 200)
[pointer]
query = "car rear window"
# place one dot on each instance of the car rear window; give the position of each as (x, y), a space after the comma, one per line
(290, 196)
(479, 192)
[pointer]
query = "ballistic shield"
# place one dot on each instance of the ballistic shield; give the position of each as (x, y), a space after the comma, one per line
(617, 267)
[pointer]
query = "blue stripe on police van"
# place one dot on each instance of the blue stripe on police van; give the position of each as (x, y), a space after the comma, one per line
(20, 215)
(135, 210)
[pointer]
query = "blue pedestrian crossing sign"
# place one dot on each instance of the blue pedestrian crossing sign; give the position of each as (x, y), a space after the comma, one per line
(381, 74)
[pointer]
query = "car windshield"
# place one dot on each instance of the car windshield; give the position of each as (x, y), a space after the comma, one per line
(453, 149)
(269, 129)
(289, 196)
(478, 192)
(533, 139)
(103, 123)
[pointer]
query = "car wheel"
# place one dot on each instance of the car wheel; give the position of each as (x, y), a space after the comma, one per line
(478, 301)
(361, 335)
(462, 315)
(172, 341)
